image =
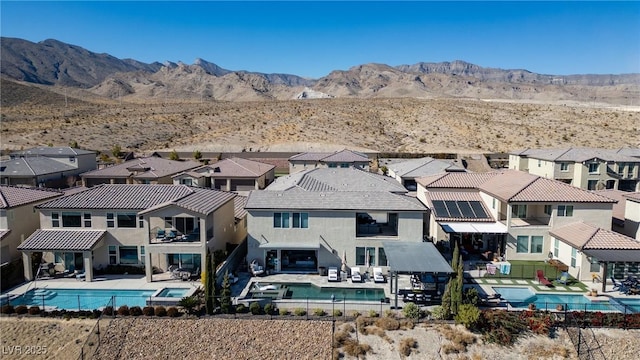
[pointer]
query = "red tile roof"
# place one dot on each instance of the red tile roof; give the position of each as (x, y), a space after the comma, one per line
(586, 236)
(13, 196)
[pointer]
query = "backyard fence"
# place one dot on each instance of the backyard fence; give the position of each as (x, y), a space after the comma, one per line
(516, 271)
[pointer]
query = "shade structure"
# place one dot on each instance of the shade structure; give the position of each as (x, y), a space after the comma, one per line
(415, 257)
(474, 227)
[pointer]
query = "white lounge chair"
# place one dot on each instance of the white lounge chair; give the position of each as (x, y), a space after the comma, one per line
(333, 274)
(356, 276)
(378, 276)
(255, 268)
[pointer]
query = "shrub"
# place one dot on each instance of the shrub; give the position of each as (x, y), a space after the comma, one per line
(407, 324)
(21, 309)
(269, 309)
(337, 312)
(255, 308)
(160, 311)
(283, 311)
(373, 313)
(123, 310)
(439, 313)
(189, 303)
(173, 312)
(388, 323)
(108, 310)
(241, 308)
(459, 339)
(8, 309)
(390, 313)
(411, 311)
(135, 311)
(406, 345)
(355, 313)
(356, 349)
(319, 312)
(299, 312)
(471, 296)
(34, 310)
(501, 327)
(468, 315)
(148, 311)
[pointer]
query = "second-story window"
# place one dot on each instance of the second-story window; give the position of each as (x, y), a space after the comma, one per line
(565, 210)
(87, 219)
(281, 220)
(126, 220)
(594, 168)
(55, 219)
(71, 219)
(519, 211)
(564, 166)
(300, 220)
(111, 220)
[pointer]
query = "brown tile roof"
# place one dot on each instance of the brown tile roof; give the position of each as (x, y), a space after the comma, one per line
(4, 233)
(234, 168)
(146, 168)
(617, 195)
(460, 180)
(634, 196)
(338, 156)
(588, 237)
(62, 240)
(575, 154)
(13, 196)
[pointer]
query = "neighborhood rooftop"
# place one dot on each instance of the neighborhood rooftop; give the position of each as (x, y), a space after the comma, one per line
(51, 151)
(413, 168)
(576, 154)
(338, 156)
(62, 240)
(603, 244)
(12, 196)
(231, 168)
(143, 168)
(337, 179)
(30, 166)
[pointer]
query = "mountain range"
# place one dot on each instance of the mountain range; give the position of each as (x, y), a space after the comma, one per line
(56, 64)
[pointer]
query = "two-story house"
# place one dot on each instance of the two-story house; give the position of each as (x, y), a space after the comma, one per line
(149, 170)
(313, 219)
(339, 159)
(586, 168)
(407, 171)
(53, 167)
(154, 226)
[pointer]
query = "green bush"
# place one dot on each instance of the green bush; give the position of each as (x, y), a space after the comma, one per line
(283, 311)
(189, 303)
(373, 313)
(148, 311)
(123, 310)
(173, 312)
(135, 311)
(319, 312)
(34, 310)
(8, 309)
(241, 308)
(439, 313)
(337, 312)
(300, 312)
(108, 310)
(160, 311)
(471, 296)
(255, 308)
(390, 313)
(411, 311)
(269, 309)
(468, 315)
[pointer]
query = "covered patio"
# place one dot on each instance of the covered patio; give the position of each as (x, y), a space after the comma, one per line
(416, 258)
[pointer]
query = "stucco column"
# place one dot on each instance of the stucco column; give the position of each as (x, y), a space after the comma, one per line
(27, 266)
(148, 267)
(256, 184)
(228, 184)
(88, 265)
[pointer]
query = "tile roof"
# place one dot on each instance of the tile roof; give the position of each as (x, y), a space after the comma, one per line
(338, 156)
(4, 233)
(457, 196)
(635, 152)
(575, 154)
(460, 180)
(143, 168)
(13, 196)
(52, 151)
(337, 179)
(62, 240)
(297, 199)
(120, 196)
(414, 168)
(233, 168)
(634, 196)
(204, 201)
(617, 195)
(239, 203)
(32, 166)
(585, 236)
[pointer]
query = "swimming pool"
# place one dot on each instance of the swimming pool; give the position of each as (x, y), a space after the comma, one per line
(82, 299)
(522, 297)
(310, 291)
(172, 292)
(632, 304)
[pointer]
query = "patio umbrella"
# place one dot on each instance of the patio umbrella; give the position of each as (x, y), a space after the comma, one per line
(344, 261)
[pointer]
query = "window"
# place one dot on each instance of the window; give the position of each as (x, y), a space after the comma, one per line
(592, 184)
(281, 220)
(574, 254)
(556, 247)
(536, 244)
(344, 165)
(621, 169)
(360, 258)
(539, 163)
(110, 220)
(548, 209)
(187, 181)
(493, 203)
(168, 222)
(71, 219)
(301, 220)
(87, 219)
(382, 257)
(565, 210)
(112, 255)
(594, 168)
(72, 159)
(332, 165)
(522, 244)
(129, 255)
(631, 170)
(55, 219)
(140, 221)
(564, 166)
(142, 253)
(594, 265)
(59, 258)
(126, 220)
(519, 211)
(371, 255)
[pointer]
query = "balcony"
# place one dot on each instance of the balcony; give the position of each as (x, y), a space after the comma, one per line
(522, 222)
(164, 236)
(375, 229)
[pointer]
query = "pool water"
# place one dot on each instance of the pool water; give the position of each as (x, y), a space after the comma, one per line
(310, 291)
(632, 304)
(172, 292)
(82, 299)
(522, 297)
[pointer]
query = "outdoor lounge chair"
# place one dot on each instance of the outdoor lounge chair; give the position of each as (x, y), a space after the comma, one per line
(255, 268)
(564, 278)
(161, 234)
(378, 276)
(356, 276)
(542, 279)
(81, 276)
(333, 274)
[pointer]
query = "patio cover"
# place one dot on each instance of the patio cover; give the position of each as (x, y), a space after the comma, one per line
(62, 240)
(415, 257)
(290, 245)
(614, 255)
(474, 227)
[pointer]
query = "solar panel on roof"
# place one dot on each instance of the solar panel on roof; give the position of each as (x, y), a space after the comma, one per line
(478, 209)
(440, 209)
(454, 212)
(466, 210)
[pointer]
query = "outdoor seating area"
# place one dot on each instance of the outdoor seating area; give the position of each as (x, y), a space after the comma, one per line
(255, 268)
(333, 274)
(542, 279)
(417, 298)
(629, 286)
(183, 274)
(378, 276)
(356, 275)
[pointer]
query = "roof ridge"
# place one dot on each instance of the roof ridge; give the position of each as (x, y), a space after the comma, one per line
(593, 235)
(29, 166)
(242, 166)
(536, 178)
(566, 151)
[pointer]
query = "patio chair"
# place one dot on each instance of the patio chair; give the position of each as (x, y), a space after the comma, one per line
(378, 276)
(564, 278)
(333, 274)
(616, 285)
(255, 268)
(491, 269)
(542, 279)
(356, 276)
(161, 234)
(81, 276)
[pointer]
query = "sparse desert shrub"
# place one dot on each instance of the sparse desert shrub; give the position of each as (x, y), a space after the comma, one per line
(340, 337)
(108, 310)
(468, 315)
(411, 311)
(407, 324)
(123, 310)
(390, 313)
(135, 311)
(438, 313)
(269, 309)
(255, 308)
(353, 348)
(319, 312)
(459, 339)
(337, 312)
(241, 309)
(299, 312)
(34, 310)
(355, 313)
(362, 322)
(21, 309)
(283, 311)
(387, 323)
(348, 328)
(160, 311)
(8, 309)
(173, 312)
(148, 311)
(373, 313)
(406, 345)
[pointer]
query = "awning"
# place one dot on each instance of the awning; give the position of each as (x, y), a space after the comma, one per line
(474, 227)
(62, 240)
(610, 255)
(290, 245)
(415, 257)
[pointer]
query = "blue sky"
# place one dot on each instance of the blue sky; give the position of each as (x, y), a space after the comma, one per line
(313, 38)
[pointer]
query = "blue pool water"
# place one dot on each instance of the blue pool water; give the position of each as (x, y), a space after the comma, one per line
(82, 299)
(632, 304)
(172, 292)
(522, 297)
(312, 292)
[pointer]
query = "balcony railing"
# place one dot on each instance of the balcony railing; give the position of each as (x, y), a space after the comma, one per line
(163, 236)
